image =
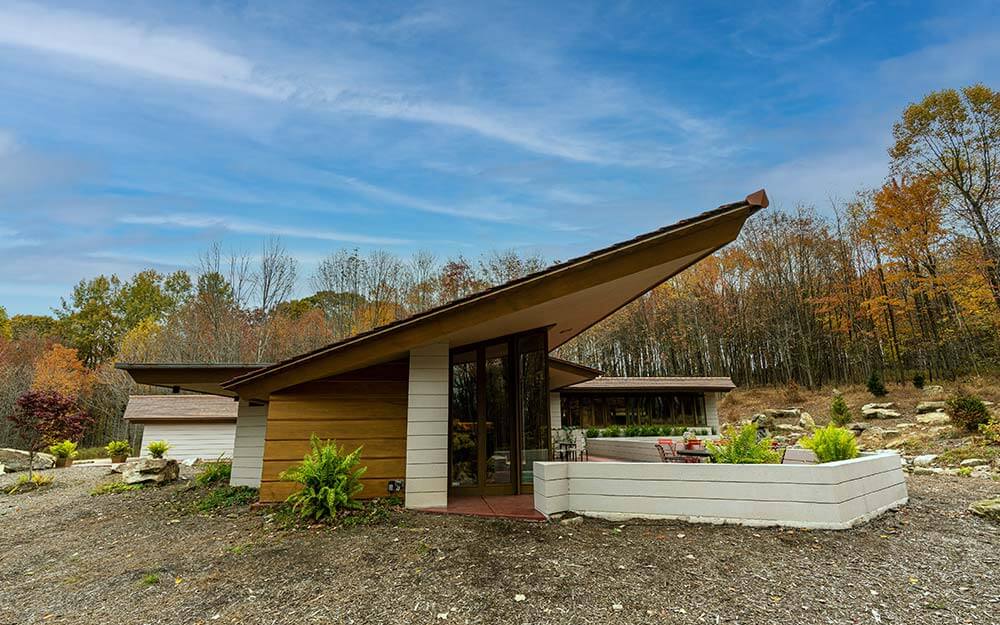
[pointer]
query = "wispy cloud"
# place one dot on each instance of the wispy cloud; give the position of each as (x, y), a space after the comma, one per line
(187, 57)
(210, 222)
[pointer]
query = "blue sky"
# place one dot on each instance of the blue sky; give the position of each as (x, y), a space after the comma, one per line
(135, 134)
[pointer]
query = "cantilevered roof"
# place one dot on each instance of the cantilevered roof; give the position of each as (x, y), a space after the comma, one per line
(612, 384)
(565, 299)
(196, 377)
(181, 408)
(563, 373)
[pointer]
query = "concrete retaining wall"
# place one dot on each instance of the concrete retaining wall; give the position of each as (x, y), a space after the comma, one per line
(836, 495)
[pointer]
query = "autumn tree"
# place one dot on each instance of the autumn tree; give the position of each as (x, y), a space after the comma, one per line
(954, 136)
(5, 329)
(60, 370)
(46, 417)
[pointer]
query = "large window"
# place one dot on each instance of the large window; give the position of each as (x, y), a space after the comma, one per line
(532, 376)
(624, 409)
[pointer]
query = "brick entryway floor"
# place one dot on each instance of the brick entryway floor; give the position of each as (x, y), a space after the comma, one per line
(502, 506)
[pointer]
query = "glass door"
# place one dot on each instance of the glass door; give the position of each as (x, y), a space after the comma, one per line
(499, 415)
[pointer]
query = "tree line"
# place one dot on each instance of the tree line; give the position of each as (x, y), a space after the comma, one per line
(901, 280)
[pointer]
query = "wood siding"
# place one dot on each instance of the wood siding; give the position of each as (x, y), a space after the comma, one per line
(365, 408)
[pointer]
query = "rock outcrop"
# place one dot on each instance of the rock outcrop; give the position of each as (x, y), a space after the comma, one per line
(152, 470)
(17, 460)
(931, 406)
(934, 418)
(987, 508)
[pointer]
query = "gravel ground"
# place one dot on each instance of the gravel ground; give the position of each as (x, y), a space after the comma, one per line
(68, 557)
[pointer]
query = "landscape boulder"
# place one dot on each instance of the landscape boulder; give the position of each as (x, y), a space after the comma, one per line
(806, 421)
(763, 421)
(154, 470)
(987, 508)
(17, 460)
(973, 462)
(934, 418)
(778, 413)
(925, 460)
(933, 389)
(858, 426)
(931, 406)
(869, 412)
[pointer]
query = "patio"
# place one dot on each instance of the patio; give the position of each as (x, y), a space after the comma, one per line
(492, 506)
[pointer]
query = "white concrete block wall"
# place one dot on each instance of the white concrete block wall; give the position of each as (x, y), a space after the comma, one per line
(205, 441)
(712, 410)
(835, 495)
(555, 410)
(248, 448)
(427, 427)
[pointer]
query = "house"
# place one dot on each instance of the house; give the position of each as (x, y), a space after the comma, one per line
(608, 401)
(196, 426)
(456, 400)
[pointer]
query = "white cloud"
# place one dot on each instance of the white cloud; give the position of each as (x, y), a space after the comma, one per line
(187, 57)
(206, 222)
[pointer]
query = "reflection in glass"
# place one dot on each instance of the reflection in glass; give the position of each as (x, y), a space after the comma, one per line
(465, 420)
(532, 361)
(499, 424)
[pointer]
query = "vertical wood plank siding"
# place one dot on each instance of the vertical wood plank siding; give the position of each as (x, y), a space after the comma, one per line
(364, 408)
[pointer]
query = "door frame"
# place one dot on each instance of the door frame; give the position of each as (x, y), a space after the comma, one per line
(515, 487)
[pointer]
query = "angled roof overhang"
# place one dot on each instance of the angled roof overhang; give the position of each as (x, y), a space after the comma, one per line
(652, 384)
(180, 409)
(196, 377)
(565, 299)
(564, 373)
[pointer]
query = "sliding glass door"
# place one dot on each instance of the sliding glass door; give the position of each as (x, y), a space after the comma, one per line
(499, 415)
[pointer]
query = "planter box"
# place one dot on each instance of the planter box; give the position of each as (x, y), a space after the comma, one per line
(836, 495)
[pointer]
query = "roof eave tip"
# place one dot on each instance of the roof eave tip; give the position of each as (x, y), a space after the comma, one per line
(758, 198)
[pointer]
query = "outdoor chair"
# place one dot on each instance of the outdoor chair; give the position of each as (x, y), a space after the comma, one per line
(672, 455)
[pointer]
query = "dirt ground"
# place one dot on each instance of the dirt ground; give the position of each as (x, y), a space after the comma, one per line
(69, 557)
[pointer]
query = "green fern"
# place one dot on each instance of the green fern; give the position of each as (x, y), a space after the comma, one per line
(741, 446)
(831, 444)
(330, 480)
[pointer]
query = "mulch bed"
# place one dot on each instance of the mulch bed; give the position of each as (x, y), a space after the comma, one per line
(69, 557)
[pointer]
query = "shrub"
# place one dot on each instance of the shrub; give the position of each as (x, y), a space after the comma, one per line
(840, 414)
(226, 497)
(330, 480)
(742, 447)
(593, 432)
(158, 449)
(214, 472)
(831, 444)
(633, 430)
(114, 488)
(968, 412)
(26, 483)
(65, 449)
(650, 430)
(875, 386)
(991, 431)
(918, 381)
(612, 431)
(119, 448)
(678, 431)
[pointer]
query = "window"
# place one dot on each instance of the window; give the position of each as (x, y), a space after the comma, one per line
(624, 409)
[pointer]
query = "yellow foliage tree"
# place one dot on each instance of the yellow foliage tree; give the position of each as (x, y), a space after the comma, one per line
(60, 369)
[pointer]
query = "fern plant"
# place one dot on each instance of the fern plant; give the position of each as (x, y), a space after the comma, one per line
(158, 449)
(65, 449)
(831, 444)
(741, 446)
(330, 480)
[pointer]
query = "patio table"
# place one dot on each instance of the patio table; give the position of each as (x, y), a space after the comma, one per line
(700, 452)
